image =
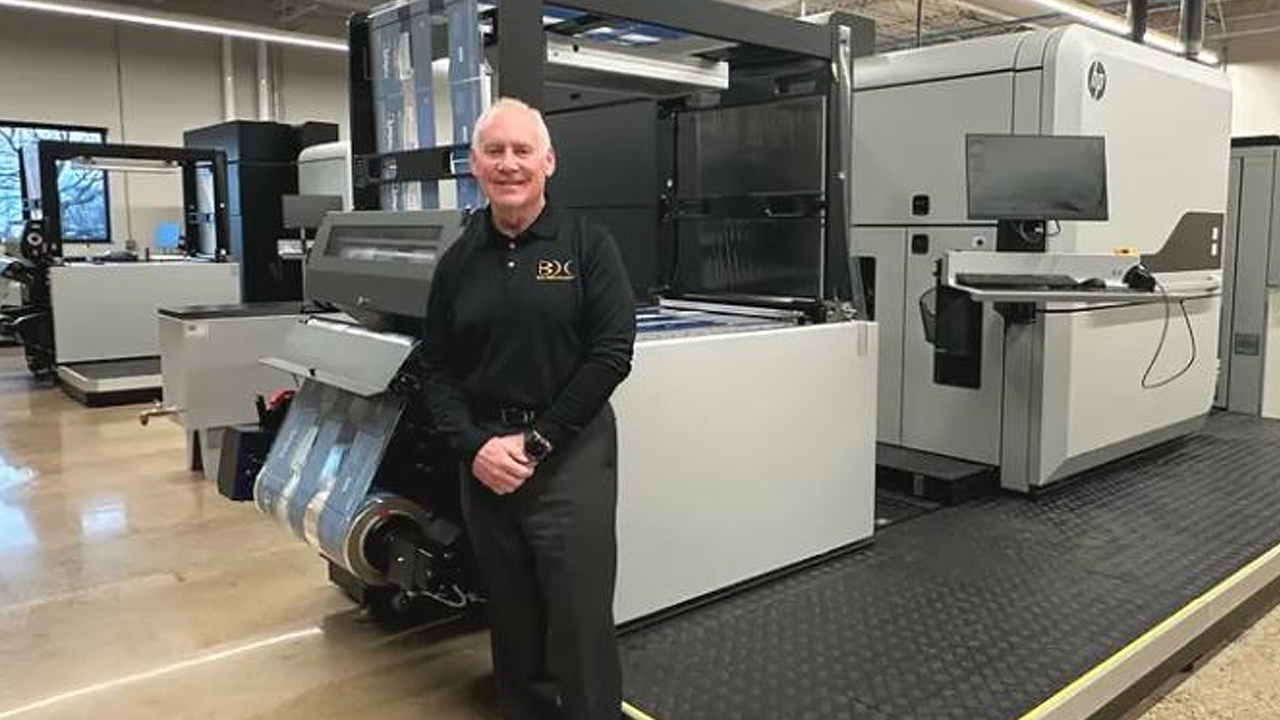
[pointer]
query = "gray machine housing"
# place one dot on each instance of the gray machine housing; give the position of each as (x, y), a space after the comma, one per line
(1062, 394)
(1251, 280)
(377, 261)
(357, 436)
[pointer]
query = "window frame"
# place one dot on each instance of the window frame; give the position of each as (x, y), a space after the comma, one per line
(22, 174)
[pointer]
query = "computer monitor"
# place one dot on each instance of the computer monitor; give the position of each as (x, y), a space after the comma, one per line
(167, 236)
(1036, 177)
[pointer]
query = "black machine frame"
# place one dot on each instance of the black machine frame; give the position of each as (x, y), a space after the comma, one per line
(22, 187)
(49, 203)
(521, 52)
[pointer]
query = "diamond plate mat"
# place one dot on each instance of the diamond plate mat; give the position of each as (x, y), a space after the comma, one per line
(980, 611)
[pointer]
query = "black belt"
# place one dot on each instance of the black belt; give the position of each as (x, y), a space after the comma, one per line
(516, 417)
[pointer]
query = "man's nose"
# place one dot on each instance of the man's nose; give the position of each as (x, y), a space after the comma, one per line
(507, 161)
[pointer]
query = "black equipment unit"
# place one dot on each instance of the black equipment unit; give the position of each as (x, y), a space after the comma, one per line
(41, 243)
(691, 218)
(244, 447)
(660, 170)
(261, 169)
(43, 201)
(29, 323)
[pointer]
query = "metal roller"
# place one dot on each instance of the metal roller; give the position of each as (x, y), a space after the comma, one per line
(365, 550)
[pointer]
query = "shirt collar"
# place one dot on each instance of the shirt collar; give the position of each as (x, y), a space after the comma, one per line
(545, 227)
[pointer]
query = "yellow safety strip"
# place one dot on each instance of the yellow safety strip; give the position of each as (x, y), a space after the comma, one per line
(634, 712)
(1146, 638)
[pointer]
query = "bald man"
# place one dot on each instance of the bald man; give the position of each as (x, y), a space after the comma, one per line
(530, 327)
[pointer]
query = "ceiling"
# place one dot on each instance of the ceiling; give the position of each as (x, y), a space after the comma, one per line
(896, 20)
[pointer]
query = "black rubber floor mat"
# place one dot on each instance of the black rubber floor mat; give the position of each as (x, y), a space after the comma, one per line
(892, 507)
(980, 611)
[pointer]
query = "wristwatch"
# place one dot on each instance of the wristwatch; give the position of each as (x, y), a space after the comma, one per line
(536, 446)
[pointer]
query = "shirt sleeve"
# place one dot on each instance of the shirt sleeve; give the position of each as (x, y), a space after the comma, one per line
(442, 388)
(609, 333)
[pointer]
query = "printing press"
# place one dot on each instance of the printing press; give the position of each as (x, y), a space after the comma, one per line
(747, 426)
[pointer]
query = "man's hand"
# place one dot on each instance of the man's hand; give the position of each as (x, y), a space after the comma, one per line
(502, 465)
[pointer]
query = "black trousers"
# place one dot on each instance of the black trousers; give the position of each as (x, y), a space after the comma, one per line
(548, 553)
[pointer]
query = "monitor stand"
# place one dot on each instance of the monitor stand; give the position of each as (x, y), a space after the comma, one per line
(1021, 235)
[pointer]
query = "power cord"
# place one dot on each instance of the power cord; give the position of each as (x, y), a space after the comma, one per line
(1164, 333)
(1111, 306)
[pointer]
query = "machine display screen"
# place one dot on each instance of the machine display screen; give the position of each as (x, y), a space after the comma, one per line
(418, 244)
(1036, 177)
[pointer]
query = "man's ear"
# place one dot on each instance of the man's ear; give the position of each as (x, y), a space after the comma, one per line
(549, 162)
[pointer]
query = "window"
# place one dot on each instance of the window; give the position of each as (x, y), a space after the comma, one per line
(83, 192)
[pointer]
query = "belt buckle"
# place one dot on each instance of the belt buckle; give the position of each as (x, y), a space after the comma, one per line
(515, 417)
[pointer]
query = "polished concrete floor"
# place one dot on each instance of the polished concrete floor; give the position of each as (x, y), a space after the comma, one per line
(130, 589)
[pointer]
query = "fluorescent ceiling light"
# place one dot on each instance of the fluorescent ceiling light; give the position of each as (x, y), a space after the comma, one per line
(175, 22)
(1120, 26)
(125, 164)
(1088, 14)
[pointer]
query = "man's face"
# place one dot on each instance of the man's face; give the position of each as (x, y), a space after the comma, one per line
(509, 161)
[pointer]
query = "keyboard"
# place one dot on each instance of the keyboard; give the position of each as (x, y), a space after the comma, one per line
(1007, 281)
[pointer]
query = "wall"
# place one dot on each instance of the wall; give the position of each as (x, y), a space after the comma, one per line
(1271, 368)
(313, 85)
(1253, 63)
(147, 86)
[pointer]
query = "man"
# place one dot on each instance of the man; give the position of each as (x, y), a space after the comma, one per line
(530, 327)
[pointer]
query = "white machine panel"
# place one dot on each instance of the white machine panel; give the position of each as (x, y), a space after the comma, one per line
(1167, 123)
(957, 421)
(740, 454)
(212, 370)
(1093, 367)
(887, 247)
(1093, 363)
(108, 311)
(909, 141)
(1271, 379)
(995, 54)
(1074, 390)
(325, 169)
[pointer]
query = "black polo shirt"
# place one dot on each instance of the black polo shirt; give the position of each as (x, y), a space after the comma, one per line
(544, 321)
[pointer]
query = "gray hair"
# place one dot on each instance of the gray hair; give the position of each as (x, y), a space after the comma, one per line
(507, 103)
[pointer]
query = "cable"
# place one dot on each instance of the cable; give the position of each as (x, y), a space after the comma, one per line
(1113, 306)
(1164, 333)
(1089, 309)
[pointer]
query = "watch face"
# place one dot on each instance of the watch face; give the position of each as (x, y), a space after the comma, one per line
(535, 447)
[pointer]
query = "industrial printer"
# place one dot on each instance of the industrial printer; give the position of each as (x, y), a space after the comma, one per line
(1249, 345)
(210, 352)
(1086, 216)
(712, 141)
(90, 320)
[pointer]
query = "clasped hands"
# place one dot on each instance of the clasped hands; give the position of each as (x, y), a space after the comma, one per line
(501, 465)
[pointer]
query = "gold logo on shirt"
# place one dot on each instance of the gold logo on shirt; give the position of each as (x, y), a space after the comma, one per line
(555, 270)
